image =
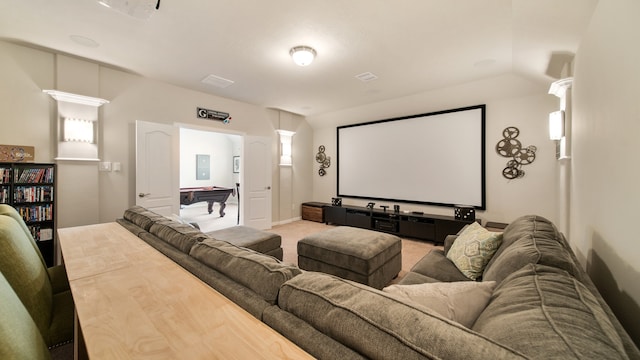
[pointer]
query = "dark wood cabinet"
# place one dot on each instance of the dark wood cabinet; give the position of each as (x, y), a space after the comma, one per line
(357, 218)
(313, 211)
(335, 215)
(420, 226)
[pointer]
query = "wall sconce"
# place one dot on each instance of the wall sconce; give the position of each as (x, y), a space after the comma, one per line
(560, 121)
(77, 125)
(285, 147)
(78, 130)
(556, 125)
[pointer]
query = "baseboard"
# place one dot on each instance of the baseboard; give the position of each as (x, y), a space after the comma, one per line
(288, 221)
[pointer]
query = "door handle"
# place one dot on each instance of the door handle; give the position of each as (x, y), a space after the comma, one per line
(268, 188)
(143, 194)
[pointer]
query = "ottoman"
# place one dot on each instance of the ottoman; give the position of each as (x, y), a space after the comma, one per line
(248, 237)
(365, 256)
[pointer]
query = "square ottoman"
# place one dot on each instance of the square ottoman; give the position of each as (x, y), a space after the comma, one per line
(369, 257)
(248, 237)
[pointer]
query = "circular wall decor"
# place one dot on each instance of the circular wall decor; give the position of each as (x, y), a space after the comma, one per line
(510, 147)
(323, 160)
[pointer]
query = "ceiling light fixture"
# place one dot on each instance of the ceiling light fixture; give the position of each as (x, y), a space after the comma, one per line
(302, 55)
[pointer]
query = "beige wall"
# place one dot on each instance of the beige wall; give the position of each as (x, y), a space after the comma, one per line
(294, 182)
(604, 167)
(28, 118)
(26, 114)
(511, 101)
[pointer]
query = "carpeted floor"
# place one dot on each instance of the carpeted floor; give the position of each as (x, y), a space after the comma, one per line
(209, 222)
(412, 250)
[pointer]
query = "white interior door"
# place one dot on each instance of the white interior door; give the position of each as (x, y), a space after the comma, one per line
(157, 167)
(256, 183)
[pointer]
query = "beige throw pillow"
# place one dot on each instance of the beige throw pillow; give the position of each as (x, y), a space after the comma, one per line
(473, 248)
(461, 301)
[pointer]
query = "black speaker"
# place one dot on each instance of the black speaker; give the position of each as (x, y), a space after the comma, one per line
(464, 213)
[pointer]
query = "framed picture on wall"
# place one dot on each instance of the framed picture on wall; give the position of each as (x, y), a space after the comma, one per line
(236, 164)
(202, 167)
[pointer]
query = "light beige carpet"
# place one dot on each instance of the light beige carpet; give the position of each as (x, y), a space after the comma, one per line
(412, 249)
(198, 214)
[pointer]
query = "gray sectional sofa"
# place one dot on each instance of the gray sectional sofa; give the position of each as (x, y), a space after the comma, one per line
(543, 306)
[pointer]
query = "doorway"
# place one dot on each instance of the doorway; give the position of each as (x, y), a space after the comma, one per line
(250, 170)
(207, 159)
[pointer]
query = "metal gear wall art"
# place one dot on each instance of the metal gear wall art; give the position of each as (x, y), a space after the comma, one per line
(323, 159)
(510, 147)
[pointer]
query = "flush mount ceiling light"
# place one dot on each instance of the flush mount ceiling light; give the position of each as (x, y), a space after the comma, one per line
(302, 55)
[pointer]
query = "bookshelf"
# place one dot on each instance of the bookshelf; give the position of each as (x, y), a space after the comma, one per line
(30, 189)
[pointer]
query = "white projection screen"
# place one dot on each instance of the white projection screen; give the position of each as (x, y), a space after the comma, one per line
(435, 159)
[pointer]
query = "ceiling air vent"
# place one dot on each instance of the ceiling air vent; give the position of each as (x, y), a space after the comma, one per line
(141, 9)
(366, 77)
(217, 81)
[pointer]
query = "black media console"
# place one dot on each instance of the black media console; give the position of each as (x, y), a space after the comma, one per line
(420, 226)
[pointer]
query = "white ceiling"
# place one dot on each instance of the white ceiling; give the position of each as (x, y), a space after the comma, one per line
(412, 46)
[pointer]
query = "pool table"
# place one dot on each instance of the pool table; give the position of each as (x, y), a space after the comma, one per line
(210, 194)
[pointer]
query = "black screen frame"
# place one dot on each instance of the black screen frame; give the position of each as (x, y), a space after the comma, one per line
(482, 119)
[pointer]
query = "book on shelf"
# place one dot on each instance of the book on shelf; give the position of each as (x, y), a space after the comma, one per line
(46, 234)
(34, 175)
(4, 195)
(5, 175)
(23, 194)
(36, 213)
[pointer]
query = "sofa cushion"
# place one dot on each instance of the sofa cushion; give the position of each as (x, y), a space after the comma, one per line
(473, 248)
(142, 217)
(533, 248)
(544, 310)
(523, 227)
(460, 301)
(133, 228)
(436, 265)
(181, 236)
(261, 273)
(412, 278)
(245, 236)
(380, 326)
(317, 344)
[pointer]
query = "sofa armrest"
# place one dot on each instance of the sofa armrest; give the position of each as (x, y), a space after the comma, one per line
(448, 241)
(435, 265)
(350, 313)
